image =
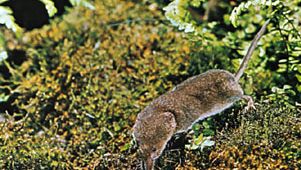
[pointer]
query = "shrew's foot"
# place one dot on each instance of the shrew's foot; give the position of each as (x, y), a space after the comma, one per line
(250, 102)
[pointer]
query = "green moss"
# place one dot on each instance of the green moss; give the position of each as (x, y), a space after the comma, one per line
(83, 84)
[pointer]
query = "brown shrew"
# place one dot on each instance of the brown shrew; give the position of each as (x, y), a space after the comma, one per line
(194, 99)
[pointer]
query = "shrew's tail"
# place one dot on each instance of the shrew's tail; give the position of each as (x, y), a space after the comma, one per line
(250, 51)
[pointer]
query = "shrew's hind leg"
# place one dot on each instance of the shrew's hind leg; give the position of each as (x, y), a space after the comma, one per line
(250, 102)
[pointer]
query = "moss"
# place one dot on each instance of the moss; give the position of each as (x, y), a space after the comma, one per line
(83, 84)
(265, 139)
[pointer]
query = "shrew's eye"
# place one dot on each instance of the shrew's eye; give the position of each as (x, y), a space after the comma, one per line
(153, 149)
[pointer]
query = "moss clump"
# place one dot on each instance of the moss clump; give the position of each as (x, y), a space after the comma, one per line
(268, 138)
(84, 81)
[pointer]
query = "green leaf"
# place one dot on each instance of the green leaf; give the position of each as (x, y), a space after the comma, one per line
(83, 3)
(298, 77)
(3, 56)
(196, 3)
(196, 127)
(8, 20)
(208, 132)
(54, 163)
(199, 139)
(176, 12)
(207, 142)
(50, 7)
(116, 126)
(206, 125)
(250, 29)
(233, 16)
(125, 147)
(244, 6)
(3, 97)
(299, 68)
(2, 1)
(200, 142)
(299, 88)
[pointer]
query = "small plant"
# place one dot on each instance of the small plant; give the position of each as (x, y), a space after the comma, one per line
(284, 37)
(7, 19)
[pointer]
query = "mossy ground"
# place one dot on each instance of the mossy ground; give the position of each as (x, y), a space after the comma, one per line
(74, 100)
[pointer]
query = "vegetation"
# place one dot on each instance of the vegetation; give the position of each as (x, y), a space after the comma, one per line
(72, 101)
(7, 19)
